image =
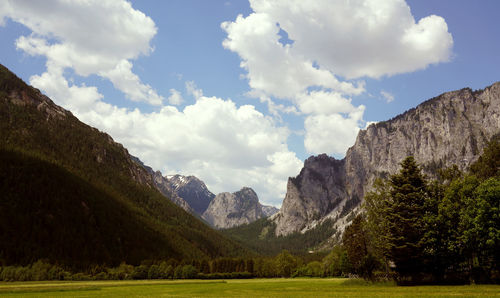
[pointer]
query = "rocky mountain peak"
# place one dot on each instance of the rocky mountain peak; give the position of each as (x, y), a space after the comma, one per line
(193, 191)
(233, 209)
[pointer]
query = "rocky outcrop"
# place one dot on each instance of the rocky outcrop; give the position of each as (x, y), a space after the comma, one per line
(228, 210)
(193, 191)
(452, 128)
(317, 190)
(269, 210)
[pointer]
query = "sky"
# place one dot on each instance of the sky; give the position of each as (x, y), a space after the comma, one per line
(240, 93)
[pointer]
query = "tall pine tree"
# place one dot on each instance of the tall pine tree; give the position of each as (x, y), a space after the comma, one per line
(405, 216)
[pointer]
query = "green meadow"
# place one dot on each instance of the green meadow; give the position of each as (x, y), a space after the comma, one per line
(298, 287)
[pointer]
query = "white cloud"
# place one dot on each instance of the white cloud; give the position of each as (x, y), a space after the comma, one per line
(129, 83)
(387, 96)
(91, 37)
(224, 145)
(323, 131)
(323, 102)
(360, 37)
(273, 68)
(331, 40)
(193, 90)
(175, 97)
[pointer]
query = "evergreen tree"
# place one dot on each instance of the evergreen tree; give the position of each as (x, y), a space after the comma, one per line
(405, 215)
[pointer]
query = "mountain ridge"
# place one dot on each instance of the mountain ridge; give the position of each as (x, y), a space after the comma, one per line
(451, 128)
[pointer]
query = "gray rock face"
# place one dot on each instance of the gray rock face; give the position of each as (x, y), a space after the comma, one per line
(269, 210)
(317, 190)
(228, 210)
(193, 191)
(452, 128)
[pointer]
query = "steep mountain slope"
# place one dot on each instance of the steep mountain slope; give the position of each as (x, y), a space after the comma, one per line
(452, 128)
(228, 210)
(163, 186)
(269, 210)
(193, 191)
(67, 183)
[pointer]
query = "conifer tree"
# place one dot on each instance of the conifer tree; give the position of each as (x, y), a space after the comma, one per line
(405, 218)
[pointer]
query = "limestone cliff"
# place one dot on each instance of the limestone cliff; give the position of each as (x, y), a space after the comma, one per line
(233, 209)
(452, 128)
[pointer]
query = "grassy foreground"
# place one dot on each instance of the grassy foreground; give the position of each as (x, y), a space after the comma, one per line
(238, 288)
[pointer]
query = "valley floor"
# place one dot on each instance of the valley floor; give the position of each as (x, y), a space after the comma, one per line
(297, 287)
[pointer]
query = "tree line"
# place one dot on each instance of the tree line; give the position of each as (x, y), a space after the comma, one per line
(282, 265)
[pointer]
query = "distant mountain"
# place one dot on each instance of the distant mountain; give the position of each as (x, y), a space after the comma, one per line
(269, 210)
(452, 128)
(70, 194)
(229, 210)
(193, 191)
(163, 186)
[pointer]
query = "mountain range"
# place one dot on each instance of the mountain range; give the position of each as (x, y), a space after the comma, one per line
(222, 211)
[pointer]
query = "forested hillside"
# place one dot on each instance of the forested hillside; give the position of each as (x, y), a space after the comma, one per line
(70, 194)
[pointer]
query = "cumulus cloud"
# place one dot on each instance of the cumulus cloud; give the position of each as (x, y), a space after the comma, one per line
(324, 130)
(129, 83)
(225, 145)
(328, 44)
(273, 68)
(175, 97)
(360, 37)
(90, 37)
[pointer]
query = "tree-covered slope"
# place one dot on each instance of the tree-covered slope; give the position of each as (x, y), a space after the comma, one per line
(260, 236)
(71, 194)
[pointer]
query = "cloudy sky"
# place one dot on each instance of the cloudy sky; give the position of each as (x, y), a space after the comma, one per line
(240, 93)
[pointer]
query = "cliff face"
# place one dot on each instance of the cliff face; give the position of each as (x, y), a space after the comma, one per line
(452, 128)
(228, 210)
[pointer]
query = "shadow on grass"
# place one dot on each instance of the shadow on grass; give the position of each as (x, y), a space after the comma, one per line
(23, 290)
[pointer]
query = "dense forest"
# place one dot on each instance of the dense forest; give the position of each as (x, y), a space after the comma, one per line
(260, 237)
(71, 195)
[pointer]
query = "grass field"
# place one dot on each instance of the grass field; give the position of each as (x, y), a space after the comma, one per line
(305, 287)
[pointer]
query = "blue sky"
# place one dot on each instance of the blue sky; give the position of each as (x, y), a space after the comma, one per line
(239, 93)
